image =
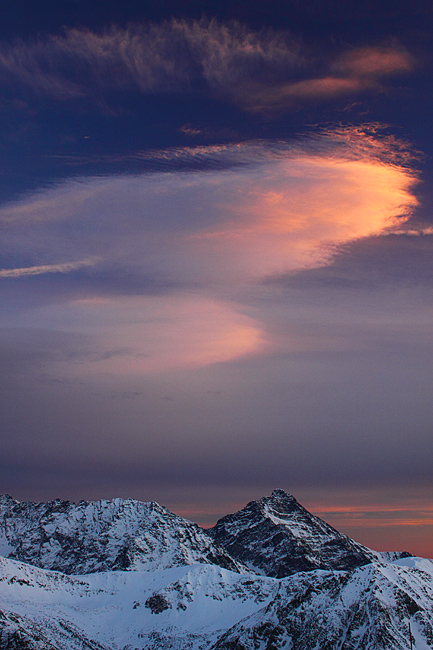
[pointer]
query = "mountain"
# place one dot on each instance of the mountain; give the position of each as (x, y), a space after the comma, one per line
(103, 535)
(205, 607)
(134, 576)
(276, 536)
(369, 608)
(273, 536)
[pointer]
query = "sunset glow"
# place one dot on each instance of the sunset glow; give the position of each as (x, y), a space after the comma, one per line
(298, 211)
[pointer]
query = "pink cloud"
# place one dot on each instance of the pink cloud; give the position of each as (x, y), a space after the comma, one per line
(262, 99)
(374, 62)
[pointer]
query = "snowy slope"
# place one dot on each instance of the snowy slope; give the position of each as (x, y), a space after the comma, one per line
(171, 608)
(276, 536)
(204, 607)
(369, 608)
(103, 535)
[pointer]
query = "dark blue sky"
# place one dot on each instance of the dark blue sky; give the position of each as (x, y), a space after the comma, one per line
(215, 262)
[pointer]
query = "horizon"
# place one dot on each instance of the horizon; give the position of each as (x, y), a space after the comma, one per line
(216, 257)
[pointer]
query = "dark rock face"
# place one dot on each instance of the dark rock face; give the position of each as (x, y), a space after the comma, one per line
(157, 604)
(358, 599)
(277, 537)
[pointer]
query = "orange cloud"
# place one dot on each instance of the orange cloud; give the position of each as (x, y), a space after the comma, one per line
(296, 212)
(378, 516)
(375, 508)
(374, 61)
(164, 332)
(264, 98)
(354, 72)
(325, 87)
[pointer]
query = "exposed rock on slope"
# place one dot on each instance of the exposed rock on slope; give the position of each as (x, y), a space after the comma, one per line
(369, 608)
(276, 536)
(176, 593)
(102, 536)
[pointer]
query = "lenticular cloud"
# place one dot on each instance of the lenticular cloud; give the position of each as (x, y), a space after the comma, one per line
(269, 209)
(206, 236)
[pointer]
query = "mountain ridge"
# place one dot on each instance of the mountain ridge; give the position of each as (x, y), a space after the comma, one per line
(92, 536)
(151, 580)
(274, 536)
(205, 607)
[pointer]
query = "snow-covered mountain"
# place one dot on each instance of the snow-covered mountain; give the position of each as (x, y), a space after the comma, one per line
(205, 607)
(273, 536)
(276, 536)
(369, 608)
(178, 594)
(103, 536)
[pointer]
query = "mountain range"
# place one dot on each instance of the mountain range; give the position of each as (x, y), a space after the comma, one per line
(128, 575)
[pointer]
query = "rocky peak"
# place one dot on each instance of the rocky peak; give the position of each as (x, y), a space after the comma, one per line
(277, 536)
(279, 502)
(278, 493)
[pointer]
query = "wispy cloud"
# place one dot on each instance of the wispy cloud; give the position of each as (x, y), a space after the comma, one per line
(66, 267)
(353, 72)
(267, 207)
(184, 330)
(259, 71)
(169, 57)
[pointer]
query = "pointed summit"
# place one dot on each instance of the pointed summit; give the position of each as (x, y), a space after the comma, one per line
(281, 495)
(281, 501)
(277, 536)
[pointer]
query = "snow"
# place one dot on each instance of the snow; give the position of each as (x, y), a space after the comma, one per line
(421, 563)
(204, 602)
(104, 535)
(5, 548)
(111, 606)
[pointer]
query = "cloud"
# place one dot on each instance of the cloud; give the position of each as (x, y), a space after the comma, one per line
(162, 332)
(259, 71)
(207, 237)
(401, 259)
(374, 62)
(333, 189)
(47, 268)
(351, 73)
(170, 57)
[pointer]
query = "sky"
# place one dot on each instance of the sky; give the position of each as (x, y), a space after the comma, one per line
(216, 257)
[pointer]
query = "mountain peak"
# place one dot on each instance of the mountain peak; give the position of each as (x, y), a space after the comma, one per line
(6, 498)
(279, 494)
(281, 502)
(277, 536)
